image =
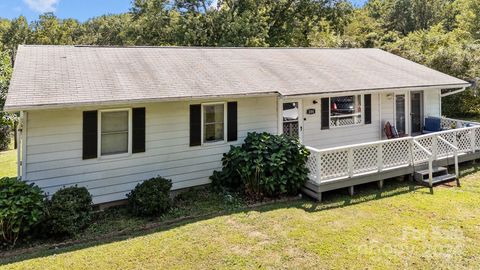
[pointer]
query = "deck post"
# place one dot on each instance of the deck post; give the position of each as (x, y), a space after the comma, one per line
(380, 184)
(351, 190)
(434, 147)
(380, 157)
(472, 140)
(350, 162)
(457, 173)
(430, 172)
(318, 159)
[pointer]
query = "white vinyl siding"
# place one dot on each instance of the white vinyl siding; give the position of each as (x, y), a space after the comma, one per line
(54, 149)
(432, 103)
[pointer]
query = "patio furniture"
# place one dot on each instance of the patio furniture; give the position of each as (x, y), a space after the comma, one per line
(432, 124)
(391, 131)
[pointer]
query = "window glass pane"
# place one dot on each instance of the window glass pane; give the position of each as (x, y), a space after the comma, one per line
(114, 143)
(213, 132)
(114, 121)
(290, 119)
(345, 110)
(213, 126)
(114, 132)
(213, 113)
(290, 111)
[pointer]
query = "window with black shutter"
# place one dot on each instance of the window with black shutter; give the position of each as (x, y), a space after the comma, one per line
(113, 131)
(213, 123)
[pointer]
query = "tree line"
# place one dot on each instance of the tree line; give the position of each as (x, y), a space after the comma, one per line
(442, 34)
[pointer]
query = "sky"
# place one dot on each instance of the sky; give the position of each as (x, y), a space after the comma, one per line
(78, 9)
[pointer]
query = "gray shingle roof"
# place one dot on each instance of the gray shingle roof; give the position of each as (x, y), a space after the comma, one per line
(59, 76)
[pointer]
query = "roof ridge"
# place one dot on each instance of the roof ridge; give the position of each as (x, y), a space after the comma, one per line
(195, 47)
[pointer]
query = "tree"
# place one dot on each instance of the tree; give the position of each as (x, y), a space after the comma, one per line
(49, 30)
(16, 34)
(108, 30)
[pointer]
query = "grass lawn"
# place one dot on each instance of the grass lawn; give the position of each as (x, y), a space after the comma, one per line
(402, 226)
(8, 163)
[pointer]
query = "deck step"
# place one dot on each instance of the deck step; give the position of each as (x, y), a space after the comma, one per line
(440, 179)
(436, 171)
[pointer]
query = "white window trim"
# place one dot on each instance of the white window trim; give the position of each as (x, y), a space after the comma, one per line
(225, 124)
(362, 113)
(99, 134)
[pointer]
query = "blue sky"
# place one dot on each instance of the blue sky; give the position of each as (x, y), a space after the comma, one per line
(78, 9)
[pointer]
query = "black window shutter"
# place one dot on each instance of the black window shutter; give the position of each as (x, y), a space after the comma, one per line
(90, 128)
(138, 130)
(368, 108)
(195, 125)
(325, 117)
(232, 128)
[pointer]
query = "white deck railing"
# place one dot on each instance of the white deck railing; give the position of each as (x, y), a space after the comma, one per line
(354, 160)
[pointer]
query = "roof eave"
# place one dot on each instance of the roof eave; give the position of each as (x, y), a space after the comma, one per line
(388, 89)
(112, 103)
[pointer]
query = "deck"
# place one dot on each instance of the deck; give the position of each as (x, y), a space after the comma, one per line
(351, 165)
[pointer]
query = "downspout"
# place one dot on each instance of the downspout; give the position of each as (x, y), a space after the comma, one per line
(19, 146)
(24, 116)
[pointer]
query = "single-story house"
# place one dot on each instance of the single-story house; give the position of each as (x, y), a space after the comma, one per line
(108, 118)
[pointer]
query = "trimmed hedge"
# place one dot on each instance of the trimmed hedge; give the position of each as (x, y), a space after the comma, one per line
(69, 211)
(151, 197)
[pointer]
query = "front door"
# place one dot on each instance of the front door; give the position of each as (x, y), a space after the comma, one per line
(292, 118)
(416, 112)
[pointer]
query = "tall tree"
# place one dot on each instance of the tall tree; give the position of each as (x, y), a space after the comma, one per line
(16, 34)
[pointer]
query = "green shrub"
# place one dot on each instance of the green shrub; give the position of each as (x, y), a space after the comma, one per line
(69, 211)
(151, 197)
(264, 165)
(21, 208)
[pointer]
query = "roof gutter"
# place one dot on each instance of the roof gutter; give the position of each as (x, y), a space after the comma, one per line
(116, 103)
(376, 90)
(453, 92)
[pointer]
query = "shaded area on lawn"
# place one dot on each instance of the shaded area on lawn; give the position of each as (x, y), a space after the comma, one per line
(199, 207)
(203, 205)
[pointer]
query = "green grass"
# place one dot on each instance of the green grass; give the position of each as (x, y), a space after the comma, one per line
(8, 163)
(402, 226)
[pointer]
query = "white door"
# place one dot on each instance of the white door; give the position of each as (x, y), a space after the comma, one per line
(292, 118)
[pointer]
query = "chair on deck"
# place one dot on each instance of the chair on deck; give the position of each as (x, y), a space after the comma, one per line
(391, 131)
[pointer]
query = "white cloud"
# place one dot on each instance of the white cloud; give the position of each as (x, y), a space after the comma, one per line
(42, 6)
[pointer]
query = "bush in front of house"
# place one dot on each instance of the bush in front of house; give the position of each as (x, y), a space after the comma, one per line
(21, 209)
(151, 197)
(264, 165)
(69, 211)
